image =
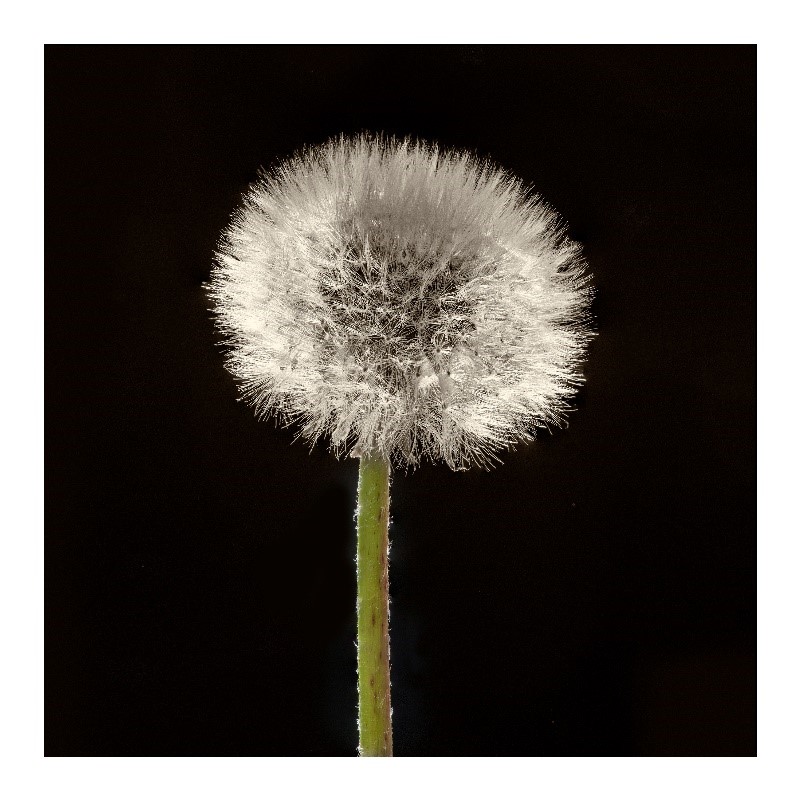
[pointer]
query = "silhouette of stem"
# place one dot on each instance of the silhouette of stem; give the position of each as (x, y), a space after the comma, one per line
(375, 721)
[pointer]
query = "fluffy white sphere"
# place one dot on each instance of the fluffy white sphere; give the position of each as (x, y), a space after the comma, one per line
(403, 301)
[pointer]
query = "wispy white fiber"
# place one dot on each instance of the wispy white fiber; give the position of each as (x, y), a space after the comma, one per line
(403, 300)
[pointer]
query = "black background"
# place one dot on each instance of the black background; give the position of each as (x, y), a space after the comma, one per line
(595, 595)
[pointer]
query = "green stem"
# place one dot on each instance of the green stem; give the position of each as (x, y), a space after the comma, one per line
(372, 606)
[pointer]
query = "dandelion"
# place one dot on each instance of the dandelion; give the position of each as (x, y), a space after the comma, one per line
(404, 303)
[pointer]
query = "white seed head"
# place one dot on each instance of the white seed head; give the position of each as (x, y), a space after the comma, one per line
(401, 300)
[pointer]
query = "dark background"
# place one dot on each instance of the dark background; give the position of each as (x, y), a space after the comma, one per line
(595, 595)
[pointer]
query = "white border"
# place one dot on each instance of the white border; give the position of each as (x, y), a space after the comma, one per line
(29, 775)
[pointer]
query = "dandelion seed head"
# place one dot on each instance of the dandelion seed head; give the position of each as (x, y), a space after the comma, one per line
(400, 299)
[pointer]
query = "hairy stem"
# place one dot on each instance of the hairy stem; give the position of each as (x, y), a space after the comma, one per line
(372, 605)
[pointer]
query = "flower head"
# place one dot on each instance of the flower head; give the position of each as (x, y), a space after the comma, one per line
(401, 300)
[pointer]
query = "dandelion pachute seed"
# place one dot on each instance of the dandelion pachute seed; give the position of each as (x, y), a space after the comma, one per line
(402, 300)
